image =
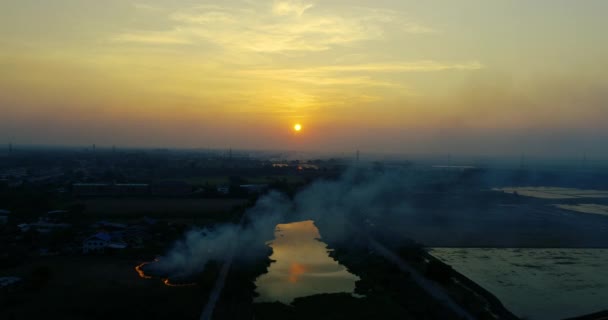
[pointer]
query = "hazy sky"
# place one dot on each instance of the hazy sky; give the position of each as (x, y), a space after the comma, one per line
(475, 76)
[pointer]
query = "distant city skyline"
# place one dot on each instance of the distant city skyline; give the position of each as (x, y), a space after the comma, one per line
(466, 77)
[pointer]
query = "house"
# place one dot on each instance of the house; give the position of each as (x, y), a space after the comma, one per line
(4, 214)
(96, 243)
(102, 241)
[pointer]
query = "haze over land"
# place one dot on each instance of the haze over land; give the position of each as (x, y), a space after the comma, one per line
(479, 76)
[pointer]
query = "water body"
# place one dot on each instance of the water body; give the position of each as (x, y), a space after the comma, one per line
(302, 266)
(585, 208)
(537, 284)
(555, 192)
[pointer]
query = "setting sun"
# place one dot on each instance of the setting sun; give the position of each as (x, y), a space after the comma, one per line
(297, 127)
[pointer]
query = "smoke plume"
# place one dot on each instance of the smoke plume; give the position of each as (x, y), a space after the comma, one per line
(361, 194)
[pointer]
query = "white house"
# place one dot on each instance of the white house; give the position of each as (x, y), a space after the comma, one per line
(96, 243)
(99, 242)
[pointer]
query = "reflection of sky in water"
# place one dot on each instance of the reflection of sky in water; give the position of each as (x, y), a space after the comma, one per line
(302, 266)
(537, 283)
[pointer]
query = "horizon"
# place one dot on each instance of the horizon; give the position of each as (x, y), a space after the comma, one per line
(489, 161)
(474, 77)
(303, 159)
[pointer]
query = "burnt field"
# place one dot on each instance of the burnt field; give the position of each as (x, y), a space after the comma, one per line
(94, 287)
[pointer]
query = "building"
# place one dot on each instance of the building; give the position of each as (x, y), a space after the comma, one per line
(4, 214)
(96, 243)
(102, 242)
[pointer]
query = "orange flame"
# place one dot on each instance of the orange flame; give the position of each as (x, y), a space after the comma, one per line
(141, 272)
(169, 284)
(166, 281)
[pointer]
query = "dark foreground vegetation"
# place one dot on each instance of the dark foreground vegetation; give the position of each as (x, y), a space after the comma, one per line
(52, 271)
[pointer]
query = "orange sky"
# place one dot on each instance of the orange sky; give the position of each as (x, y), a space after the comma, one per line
(385, 76)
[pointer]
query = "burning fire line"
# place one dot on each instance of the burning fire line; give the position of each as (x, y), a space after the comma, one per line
(166, 281)
(169, 284)
(141, 272)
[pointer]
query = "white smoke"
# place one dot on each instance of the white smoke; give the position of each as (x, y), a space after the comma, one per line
(362, 194)
(199, 246)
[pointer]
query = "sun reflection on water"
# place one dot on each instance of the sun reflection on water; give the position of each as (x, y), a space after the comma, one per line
(302, 266)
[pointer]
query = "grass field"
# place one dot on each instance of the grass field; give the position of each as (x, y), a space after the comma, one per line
(158, 206)
(225, 180)
(98, 287)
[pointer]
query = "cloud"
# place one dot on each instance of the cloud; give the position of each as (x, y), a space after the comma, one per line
(350, 74)
(147, 7)
(285, 26)
(411, 27)
(162, 37)
(290, 7)
(417, 66)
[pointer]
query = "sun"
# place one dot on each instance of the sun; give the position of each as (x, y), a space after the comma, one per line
(297, 127)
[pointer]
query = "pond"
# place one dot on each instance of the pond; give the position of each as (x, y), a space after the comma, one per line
(537, 283)
(585, 208)
(555, 192)
(301, 267)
